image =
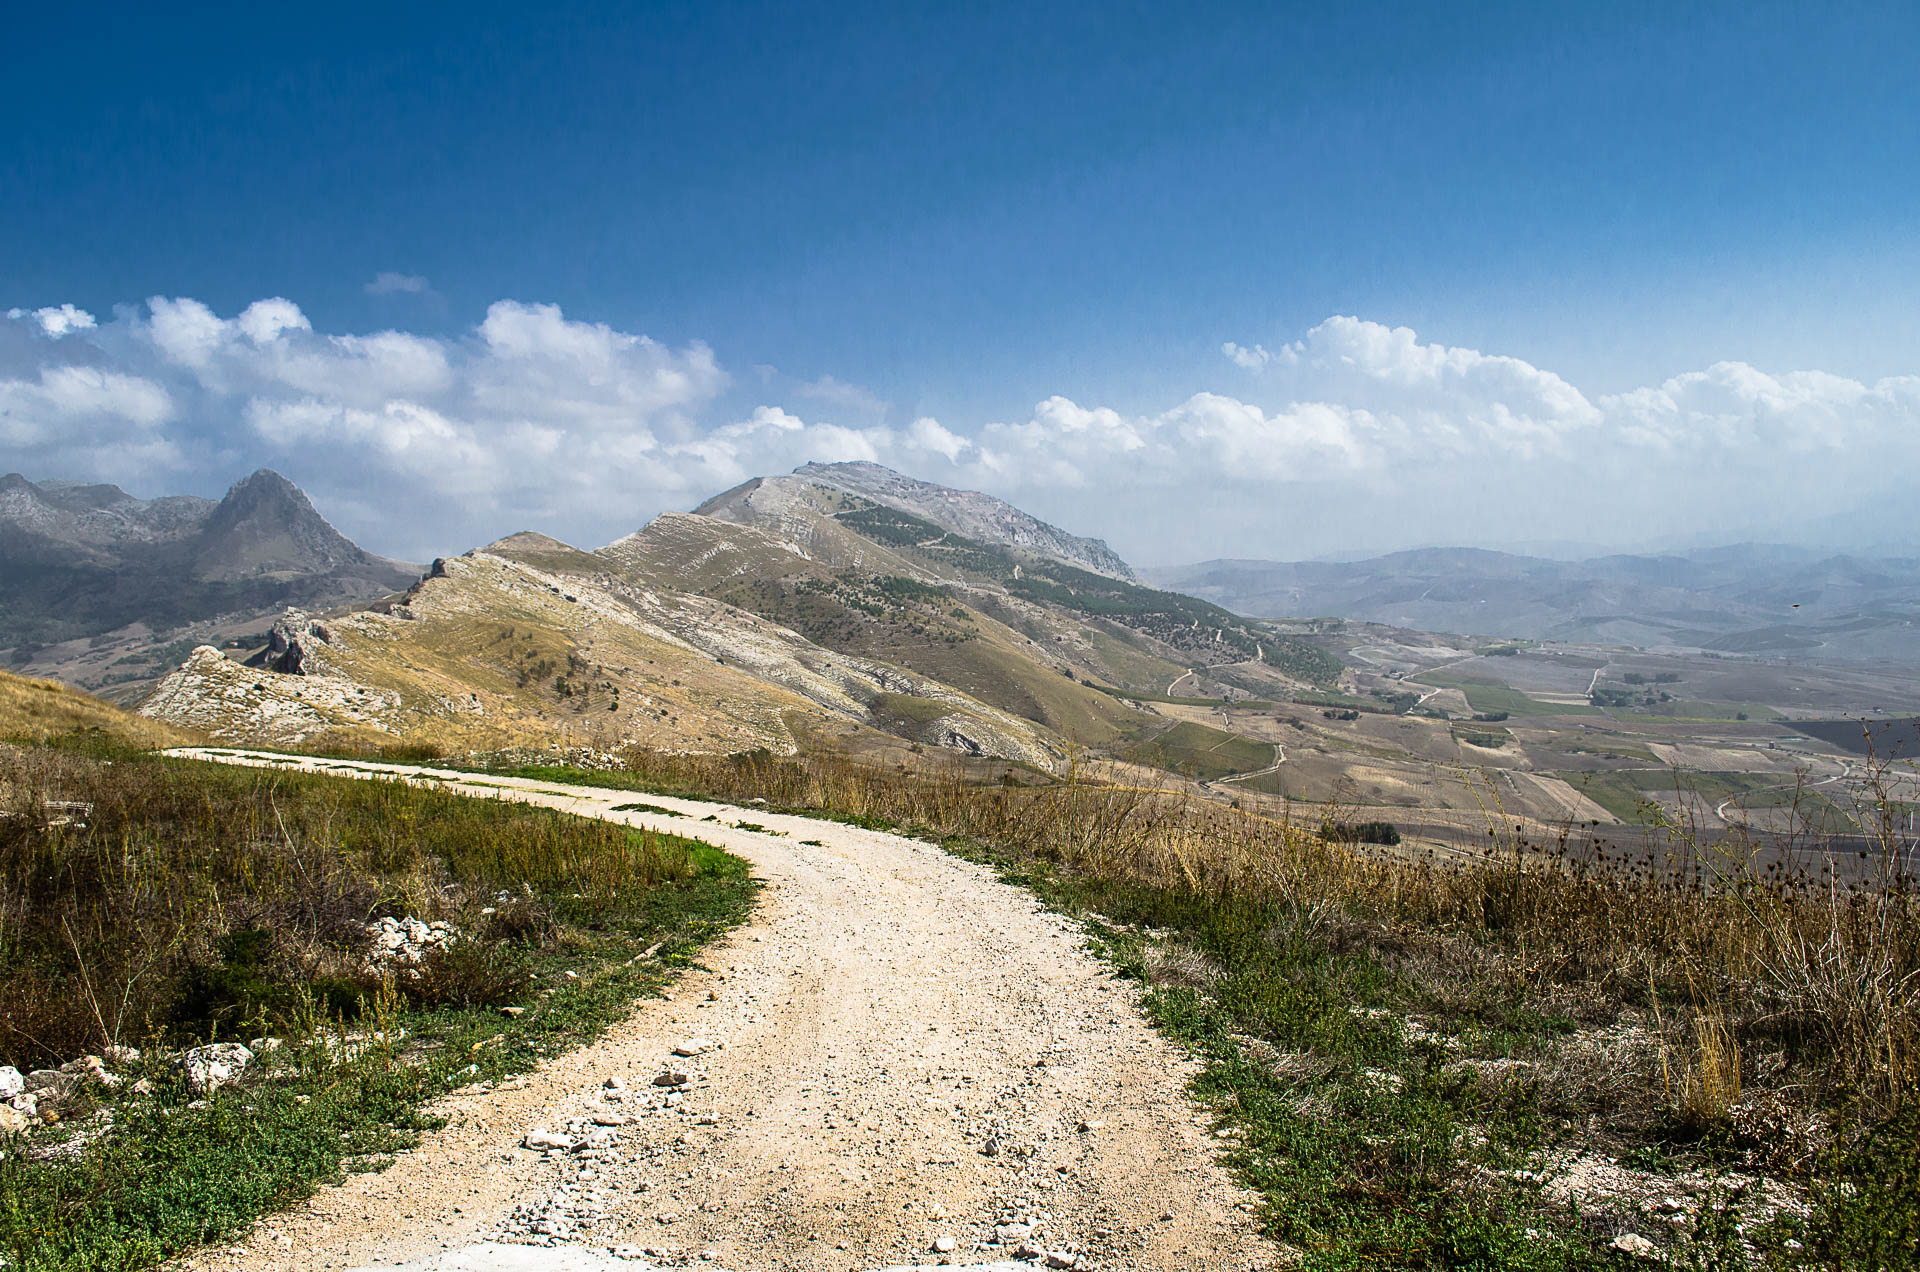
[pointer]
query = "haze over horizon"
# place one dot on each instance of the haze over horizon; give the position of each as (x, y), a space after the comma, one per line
(1243, 283)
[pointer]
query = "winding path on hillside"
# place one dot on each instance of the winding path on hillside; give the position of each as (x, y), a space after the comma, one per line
(911, 1052)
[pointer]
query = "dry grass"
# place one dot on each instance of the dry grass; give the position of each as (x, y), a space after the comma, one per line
(144, 898)
(35, 710)
(1738, 959)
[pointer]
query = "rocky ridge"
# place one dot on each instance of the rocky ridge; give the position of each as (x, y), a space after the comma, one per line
(674, 670)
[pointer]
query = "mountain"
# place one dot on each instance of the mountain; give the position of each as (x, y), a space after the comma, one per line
(792, 612)
(92, 578)
(1751, 598)
(963, 512)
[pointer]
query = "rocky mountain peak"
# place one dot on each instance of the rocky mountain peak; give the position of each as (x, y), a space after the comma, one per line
(966, 512)
(266, 524)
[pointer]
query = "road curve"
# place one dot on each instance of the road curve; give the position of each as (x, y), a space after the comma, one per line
(911, 1052)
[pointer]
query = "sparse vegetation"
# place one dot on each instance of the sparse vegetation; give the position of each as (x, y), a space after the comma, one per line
(1369, 832)
(1392, 1036)
(35, 710)
(178, 901)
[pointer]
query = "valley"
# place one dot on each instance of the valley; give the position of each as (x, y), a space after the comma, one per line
(848, 609)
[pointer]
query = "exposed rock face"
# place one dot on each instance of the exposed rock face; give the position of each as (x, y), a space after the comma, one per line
(403, 944)
(290, 645)
(231, 702)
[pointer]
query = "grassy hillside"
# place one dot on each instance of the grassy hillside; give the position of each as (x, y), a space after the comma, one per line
(493, 652)
(35, 710)
(1204, 752)
(1176, 621)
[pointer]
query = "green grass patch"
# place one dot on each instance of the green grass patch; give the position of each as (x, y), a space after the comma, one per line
(647, 808)
(1141, 695)
(1490, 695)
(904, 709)
(1347, 702)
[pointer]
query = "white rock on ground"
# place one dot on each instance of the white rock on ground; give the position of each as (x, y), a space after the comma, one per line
(1636, 1245)
(12, 1082)
(213, 1066)
(887, 1011)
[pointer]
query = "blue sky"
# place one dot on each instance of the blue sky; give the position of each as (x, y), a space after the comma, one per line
(866, 217)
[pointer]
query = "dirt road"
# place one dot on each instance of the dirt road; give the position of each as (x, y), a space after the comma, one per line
(911, 1063)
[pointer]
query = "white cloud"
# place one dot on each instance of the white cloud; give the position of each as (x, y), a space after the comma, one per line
(56, 320)
(388, 283)
(1360, 435)
(264, 320)
(62, 399)
(1250, 358)
(186, 332)
(927, 434)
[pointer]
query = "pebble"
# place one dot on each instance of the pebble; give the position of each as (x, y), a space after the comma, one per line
(1636, 1245)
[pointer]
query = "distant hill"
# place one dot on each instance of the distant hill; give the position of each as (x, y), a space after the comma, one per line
(80, 563)
(1749, 598)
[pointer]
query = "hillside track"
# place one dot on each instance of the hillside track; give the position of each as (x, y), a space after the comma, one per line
(907, 1050)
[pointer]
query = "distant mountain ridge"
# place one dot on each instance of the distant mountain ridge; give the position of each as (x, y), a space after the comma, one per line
(1750, 598)
(84, 560)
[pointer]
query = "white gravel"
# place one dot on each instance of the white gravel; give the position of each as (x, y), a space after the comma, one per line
(898, 1049)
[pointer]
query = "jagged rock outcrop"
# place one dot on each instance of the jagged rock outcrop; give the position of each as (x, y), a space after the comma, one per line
(293, 646)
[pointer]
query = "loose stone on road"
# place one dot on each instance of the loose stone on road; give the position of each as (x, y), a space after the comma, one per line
(898, 1061)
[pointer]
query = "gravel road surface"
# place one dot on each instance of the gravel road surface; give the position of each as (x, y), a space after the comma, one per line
(898, 1061)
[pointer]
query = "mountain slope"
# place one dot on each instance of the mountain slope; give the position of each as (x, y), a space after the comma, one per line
(1046, 599)
(491, 651)
(35, 710)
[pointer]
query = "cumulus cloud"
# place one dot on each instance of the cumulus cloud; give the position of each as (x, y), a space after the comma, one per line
(389, 283)
(56, 321)
(1253, 357)
(1360, 436)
